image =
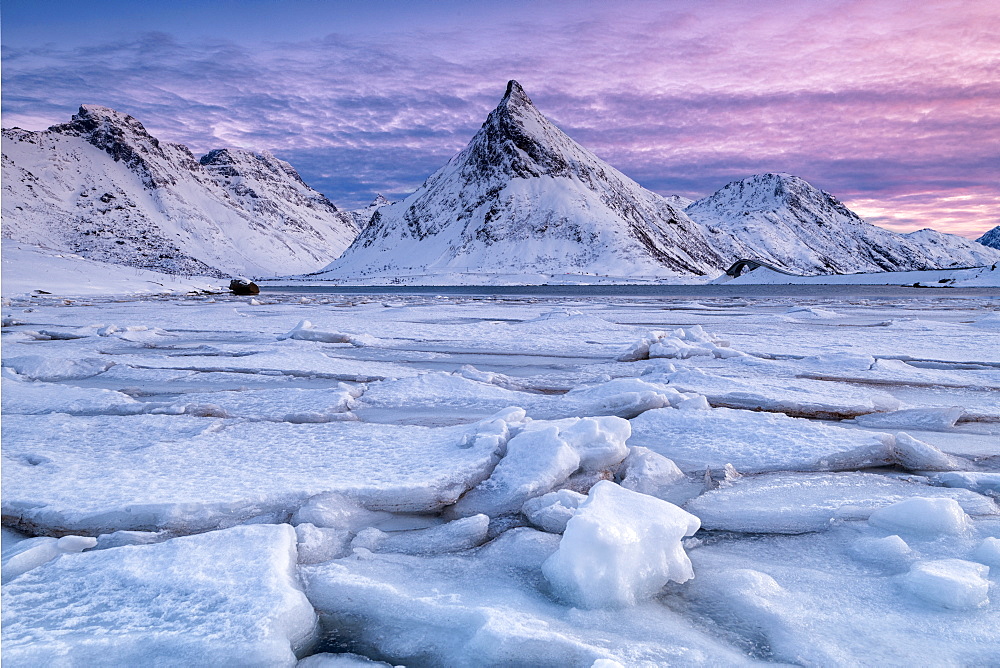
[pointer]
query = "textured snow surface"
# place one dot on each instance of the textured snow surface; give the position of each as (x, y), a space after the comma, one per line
(179, 603)
(174, 466)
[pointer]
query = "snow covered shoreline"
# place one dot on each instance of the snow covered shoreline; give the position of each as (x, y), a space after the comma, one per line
(444, 478)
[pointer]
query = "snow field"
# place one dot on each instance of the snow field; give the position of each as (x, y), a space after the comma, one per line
(484, 483)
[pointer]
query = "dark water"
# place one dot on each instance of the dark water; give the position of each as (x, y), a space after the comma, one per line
(666, 291)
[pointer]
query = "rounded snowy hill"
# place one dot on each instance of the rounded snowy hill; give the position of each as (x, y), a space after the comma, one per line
(785, 221)
(524, 198)
(103, 187)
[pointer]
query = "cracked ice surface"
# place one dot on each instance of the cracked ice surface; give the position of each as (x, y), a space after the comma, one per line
(389, 452)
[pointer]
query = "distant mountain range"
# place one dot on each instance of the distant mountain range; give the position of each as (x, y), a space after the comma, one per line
(521, 199)
(103, 187)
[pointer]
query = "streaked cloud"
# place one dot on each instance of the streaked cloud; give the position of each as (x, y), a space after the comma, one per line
(894, 108)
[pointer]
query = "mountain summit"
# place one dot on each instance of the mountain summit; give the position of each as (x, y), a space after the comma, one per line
(785, 221)
(524, 198)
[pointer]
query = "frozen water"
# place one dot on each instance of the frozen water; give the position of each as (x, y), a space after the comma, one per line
(916, 418)
(951, 583)
(619, 548)
(141, 421)
(550, 512)
(177, 472)
(182, 602)
(544, 455)
(460, 534)
(491, 607)
(752, 441)
(800, 502)
(921, 515)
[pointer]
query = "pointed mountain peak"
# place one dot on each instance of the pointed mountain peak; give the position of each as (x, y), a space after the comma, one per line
(379, 201)
(515, 95)
(93, 120)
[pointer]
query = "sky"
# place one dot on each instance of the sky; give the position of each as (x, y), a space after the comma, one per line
(892, 106)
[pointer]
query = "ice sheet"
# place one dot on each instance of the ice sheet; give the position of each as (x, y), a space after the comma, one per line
(181, 602)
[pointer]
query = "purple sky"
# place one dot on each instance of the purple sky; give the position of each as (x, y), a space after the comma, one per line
(892, 106)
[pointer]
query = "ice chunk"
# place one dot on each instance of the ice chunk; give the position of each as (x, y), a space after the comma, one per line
(286, 404)
(461, 534)
(950, 583)
(982, 482)
(678, 344)
(915, 455)
(799, 502)
(51, 369)
(318, 544)
(988, 552)
(648, 472)
(33, 552)
(306, 331)
(752, 441)
(811, 313)
(550, 512)
(913, 418)
(921, 515)
(122, 538)
(185, 601)
(336, 511)
(541, 457)
(619, 548)
(890, 551)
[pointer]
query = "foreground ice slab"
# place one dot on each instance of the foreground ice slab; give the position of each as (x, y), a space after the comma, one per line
(752, 441)
(800, 397)
(491, 606)
(96, 475)
(620, 547)
(851, 596)
(800, 502)
(221, 598)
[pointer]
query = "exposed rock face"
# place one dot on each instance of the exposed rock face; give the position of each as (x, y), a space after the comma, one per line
(103, 187)
(523, 197)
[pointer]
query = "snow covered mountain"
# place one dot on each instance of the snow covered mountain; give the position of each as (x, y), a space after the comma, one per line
(524, 198)
(103, 187)
(364, 216)
(951, 250)
(991, 238)
(785, 221)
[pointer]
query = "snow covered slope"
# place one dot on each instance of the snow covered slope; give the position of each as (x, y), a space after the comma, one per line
(28, 269)
(951, 250)
(785, 221)
(103, 187)
(991, 238)
(523, 197)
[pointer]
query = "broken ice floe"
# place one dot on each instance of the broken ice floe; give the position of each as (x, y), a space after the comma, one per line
(490, 607)
(680, 343)
(306, 331)
(801, 502)
(757, 442)
(799, 397)
(181, 602)
(847, 596)
(189, 474)
(541, 457)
